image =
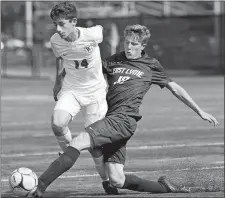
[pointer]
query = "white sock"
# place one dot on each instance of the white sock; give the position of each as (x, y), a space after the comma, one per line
(100, 166)
(64, 140)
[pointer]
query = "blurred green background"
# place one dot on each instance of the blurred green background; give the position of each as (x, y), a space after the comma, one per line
(186, 36)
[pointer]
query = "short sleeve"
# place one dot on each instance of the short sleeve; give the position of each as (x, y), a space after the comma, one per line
(96, 33)
(54, 50)
(104, 66)
(159, 76)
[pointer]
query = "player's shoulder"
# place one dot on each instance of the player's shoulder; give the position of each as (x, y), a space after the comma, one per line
(91, 34)
(109, 61)
(55, 38)
(92, 29)
(95, 27)
(120, 56)
(154, 63)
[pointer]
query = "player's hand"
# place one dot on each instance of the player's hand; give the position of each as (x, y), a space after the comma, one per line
(56, 89)
(208, 117)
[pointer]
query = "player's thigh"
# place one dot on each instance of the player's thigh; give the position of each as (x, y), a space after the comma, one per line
(108, 130)
(116, 174)
(115, 152)
(114, 158)
(81, 141)
(68, 103)
(96, 110)
(96, 152)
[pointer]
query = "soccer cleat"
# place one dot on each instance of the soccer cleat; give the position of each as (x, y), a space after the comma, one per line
(172, 188)
(40, 190)
(109, 189)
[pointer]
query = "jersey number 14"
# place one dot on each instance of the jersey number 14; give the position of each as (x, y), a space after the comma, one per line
(82, 64)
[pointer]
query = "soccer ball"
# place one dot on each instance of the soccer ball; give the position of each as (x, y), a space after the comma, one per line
(23, 182)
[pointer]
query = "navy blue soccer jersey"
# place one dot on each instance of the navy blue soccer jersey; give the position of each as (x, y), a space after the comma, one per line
(129, 80)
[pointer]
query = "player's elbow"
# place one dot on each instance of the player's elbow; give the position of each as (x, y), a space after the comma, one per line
(173, 87)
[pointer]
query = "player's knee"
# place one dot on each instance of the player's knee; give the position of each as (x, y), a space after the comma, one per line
(81, 141)
(58, 126)
(117, 179)
(59, 123)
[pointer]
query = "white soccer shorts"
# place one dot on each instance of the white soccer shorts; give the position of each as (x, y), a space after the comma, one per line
(94, 106)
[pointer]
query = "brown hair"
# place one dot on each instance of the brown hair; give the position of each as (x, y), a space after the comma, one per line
(141, 31)
(64, 10)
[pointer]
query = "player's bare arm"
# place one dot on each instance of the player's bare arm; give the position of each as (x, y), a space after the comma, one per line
(183, 96)
(60, 74)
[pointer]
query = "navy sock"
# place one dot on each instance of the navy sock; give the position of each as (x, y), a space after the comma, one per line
(60, 165)
(135, 183)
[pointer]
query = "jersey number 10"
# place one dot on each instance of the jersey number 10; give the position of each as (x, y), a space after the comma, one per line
(82, 64)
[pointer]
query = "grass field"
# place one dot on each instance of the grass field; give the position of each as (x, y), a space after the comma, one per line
(170, 140)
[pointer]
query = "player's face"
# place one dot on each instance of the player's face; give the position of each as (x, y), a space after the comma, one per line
(133, 47)
(65, 27)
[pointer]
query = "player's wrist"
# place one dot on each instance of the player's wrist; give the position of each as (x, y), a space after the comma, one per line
(199, 112)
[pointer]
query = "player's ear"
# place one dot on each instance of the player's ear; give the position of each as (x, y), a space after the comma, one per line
(74, 21)
(144, 45)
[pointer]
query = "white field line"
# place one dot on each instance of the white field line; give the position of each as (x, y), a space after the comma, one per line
(33, 97)
(28, 97)
(218, 162)
(10, 135)
(136, 172)
(128, 148)
(32, 123)
(176, 146)
(192, 128)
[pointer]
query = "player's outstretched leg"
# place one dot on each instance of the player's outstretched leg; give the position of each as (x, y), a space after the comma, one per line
(40, 190)
(109, 189)
(65, 161)
(172, 188)
(57, 168)
(163, 185)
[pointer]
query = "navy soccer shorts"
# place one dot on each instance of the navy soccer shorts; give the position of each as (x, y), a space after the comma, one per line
(112, 133)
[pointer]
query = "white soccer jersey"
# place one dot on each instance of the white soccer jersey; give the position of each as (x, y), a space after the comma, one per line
(81, 60)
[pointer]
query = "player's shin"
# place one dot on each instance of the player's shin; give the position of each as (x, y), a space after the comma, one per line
(59, 166)
(98, 158)
(100, 166)
(135, 183)
(67, 159)
(64, 140)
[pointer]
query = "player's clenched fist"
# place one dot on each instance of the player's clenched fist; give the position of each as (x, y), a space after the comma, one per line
(209, 118)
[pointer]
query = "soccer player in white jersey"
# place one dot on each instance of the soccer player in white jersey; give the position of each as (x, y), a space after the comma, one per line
(83, 85)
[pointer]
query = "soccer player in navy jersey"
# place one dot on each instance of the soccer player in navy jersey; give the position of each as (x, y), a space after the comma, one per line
(130, 75)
